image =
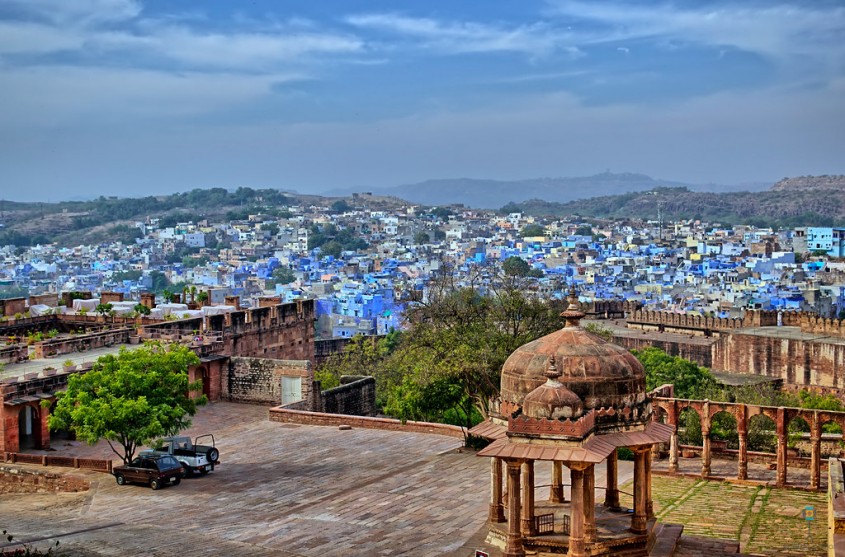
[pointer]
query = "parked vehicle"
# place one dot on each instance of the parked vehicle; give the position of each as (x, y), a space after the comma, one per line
(193, 456)
(152, 470)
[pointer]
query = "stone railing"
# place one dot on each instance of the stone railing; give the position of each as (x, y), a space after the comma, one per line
(285, 415)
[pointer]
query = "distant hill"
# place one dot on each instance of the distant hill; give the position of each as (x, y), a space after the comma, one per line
(493, 194)
(806, 201)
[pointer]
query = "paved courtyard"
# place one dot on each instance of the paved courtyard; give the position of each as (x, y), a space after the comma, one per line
(291, 490)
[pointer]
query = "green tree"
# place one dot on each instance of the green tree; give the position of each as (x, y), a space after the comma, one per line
(332, 248)
(516, 266)
(130, 398)
(104, 309)
(421, 238)
(690, 380)
(341, 206)
(282, 275)
(141, 309)
(584, 230)
(531, 230)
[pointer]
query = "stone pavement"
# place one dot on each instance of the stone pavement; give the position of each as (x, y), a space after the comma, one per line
(765, 521)
(282, 489)
(294, 491)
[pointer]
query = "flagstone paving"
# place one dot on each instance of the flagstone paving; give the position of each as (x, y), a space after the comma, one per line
(764, 520)
(294, 491)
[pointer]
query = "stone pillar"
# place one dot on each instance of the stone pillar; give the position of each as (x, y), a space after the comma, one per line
(649, 503)
(639, 521)
(742, 472)
(673, 452)
(44, 433)
(497, 511)
(556, 489)
(513, 542)
(590, 504)
(611, 494)
(577, 546)
(705, 439)
(742, 431)
(781, 455)
(816, 452)
(528, 498)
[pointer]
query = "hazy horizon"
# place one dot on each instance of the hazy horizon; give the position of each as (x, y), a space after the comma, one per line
(138, 97)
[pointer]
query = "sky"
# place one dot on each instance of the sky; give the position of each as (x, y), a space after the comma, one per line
(144, 97)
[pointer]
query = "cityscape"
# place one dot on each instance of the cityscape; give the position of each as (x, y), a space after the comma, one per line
(493, 279)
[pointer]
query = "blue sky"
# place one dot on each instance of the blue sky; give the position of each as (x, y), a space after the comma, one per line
(138, 97)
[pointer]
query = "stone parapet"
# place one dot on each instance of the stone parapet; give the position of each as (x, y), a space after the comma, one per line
(285, 415)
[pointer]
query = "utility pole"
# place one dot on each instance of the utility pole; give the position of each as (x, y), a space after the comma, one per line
(660, 220)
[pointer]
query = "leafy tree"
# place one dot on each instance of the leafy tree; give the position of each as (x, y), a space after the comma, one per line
(532, 230)
(282, 275)
(584, 230)
(130, 398)
(341, 206)
(104, 309)
(332, 248)
(141, 309)
(421, 238)
(509, 208)
(362, 355)
(690, 380)
(442, 213)
(516, 266)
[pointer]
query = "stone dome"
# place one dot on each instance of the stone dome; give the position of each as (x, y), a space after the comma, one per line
(552, 399)
(601, 374)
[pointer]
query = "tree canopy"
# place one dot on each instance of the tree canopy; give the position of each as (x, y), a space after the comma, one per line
(131, 398)
(690, 379)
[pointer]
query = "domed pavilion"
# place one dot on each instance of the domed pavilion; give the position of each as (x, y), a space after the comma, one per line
(570, 399)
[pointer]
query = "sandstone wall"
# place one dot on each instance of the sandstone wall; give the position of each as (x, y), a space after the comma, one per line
(357, 397)
(259, 380)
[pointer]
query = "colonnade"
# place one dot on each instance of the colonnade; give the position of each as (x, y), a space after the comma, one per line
(515, 502)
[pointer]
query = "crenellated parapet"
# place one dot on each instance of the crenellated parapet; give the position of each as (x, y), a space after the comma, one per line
(683, 322)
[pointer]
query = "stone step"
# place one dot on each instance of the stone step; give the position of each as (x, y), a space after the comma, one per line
(665, 539)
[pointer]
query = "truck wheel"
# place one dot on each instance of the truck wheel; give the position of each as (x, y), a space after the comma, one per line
(213, 454)
(186, 471)
(155, 483)
(120, 479)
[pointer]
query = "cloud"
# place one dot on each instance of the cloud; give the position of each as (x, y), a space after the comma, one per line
(76, 12)
(104, 96)
(449, 37)
(781, 31)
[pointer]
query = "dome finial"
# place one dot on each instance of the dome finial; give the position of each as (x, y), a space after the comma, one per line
(573, 313)
(552, 373)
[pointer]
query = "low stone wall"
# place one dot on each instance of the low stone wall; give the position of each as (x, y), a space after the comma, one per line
(285, 415)
(16, 479)
(356, 397)
(836, 509)
(95, 464)
(69, 345)
(14, 353)
(699, 353)
(792, 460)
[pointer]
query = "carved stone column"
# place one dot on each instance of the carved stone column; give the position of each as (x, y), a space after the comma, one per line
(528, 498)
(649, 503)
(742, 472)
(816, 452)
(577, 546)
(673, 452)
(639, 521)
(781, 456)
(742, 431)
(705, 452)
(513, 542)
(611, 494)
(497, 510)
(590, 504)
(556, 489)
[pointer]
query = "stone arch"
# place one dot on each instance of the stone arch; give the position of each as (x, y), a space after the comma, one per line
(689, 426)
(204, 375)
(723, 428)
(799, 427)
(762, 433)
